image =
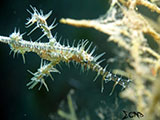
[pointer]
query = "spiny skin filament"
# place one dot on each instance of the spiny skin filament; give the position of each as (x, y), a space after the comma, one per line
(54, 52)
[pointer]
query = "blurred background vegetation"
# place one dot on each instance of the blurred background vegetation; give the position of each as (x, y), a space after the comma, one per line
(19, 103)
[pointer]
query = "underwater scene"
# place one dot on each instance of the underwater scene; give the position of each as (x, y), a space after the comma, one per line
(80, 59)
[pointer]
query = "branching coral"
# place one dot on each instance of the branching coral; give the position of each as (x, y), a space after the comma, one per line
(72, 114)
(128, 28)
